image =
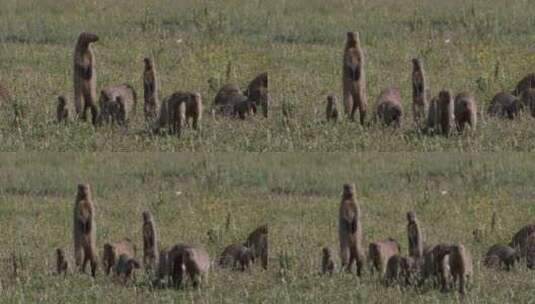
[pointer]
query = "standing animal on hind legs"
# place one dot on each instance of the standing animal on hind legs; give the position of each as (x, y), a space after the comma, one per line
(446, 117)
(150, 241)
(85, 77)
(331, 110)
(61, 262)
(350, 231)
(257, 241)
(419, 93)
(354, 79)
(84, 230)
(150, 91)
(414, 233)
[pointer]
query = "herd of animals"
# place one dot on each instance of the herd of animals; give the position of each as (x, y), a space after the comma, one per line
(441, 114)
(443, 264)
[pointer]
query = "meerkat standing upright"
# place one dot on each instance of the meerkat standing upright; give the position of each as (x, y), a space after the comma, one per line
(150, 242)
(84, 230)
(414, 233)
(350, 230)
(354, 80)
(85, 77)
(419, 93)
(150, 89)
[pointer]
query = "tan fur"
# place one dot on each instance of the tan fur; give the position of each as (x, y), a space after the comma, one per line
(461, 266)
(327, 262)
(244, 108)
(504, 105)
(62, 113)
(350, 231)
(150, 241)
(465, 111)
(228, 96)
(380, 252)
(354, 78)
(445, 115)
(237, 255)
(112, 251)
(419, 92)
(191, 260)
(85, 77)
(388, 109)
(150, 91)
(520, 239)
(526, 83)
(183, 107)
(257, 241)
(415, 236)
(530, 251)
(61, 262)
(117, 104)
(498, 255)
(84, 230)
(331, 110)
(257, 92)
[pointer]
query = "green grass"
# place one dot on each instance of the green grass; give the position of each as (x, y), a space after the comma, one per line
(298, 42)
(297, 194)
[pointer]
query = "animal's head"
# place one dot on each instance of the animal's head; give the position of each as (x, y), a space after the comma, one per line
(353, 39)
(331, 99)
(411, 216)
(348, 190)
(417, 63)
(148, 62)
(84, 191)
(327, 252)
(147, 216)
(87, 38)
(62, 101)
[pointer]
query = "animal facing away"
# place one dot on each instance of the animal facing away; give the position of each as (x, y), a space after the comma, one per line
(112, 251)
(61, 262)
(244, 108)
(465, 111)
(331, 110)
(436, 264)
(85, 77)
(432, 117)
(498, 255)
(84, 230)
(257, 92)
(328, 265)
(350, 231)
(380, 252)
(419, 92)
(183, 107)
(388, 109)
(117, 104)
(354, 78)
(150, 90)
(150, 241)
(414, 234)
(192, 260)
(505, 105)
(461, 266)
(62, 112)
(257, 241)
(400, 269)
(163, 269)
(445, 108)
(520, 239)
(237, 255)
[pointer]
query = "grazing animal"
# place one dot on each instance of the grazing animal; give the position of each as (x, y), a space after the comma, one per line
(419, 92)
(445, 112)
(183, 107)
(117, 104)
(237, 255)
(526, 83)
(504, 105)
(436, 264)
(498, 255)
(331, 111)
(112, 251)
(528, 100)
(350, 231)
(257, 92)
(465, 111)
(150, 90)
(380, 252)
(84, 230)
(415, 236)
(150, 241)
(61, 262)
(191, 260)
(125, 266)
(461, 266)
(85, 77)
(257, 241)
(520, 239)
(354, 78)
(388, 108)
(227, 97)
(62, 113)
(244, 108)
(163, 268)
(530, 251)
(400, 269)
(327, 261)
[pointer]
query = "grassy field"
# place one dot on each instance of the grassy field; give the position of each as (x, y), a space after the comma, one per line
(223, 198)
(480, 46)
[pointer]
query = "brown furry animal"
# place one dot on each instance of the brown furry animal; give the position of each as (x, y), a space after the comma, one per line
(331, 111)
(182, 107)
(445, 115)
(528, 100)
(415, 236)
(432, 116)
(400, 269)
(465, 111)
(419, 92)
(388, 109)
(354, 78)
(380, 252)
(436, 264)
(61, 262)
(520, 239)
(327, 262)
(85, 77)
(125, 266)
(461, 266)
(150, 241)
(227, 97)
(163, 269)
(257, 241)
(257, 92)
(244, 108)
(112, 252)
(237, 255)
(530, 251)
(504, 105)
(84, 230)
(350, 230)
(498, 255)
(526, 83)
(191, 260)
(150, 90)
(62, 113)
(117, 104)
